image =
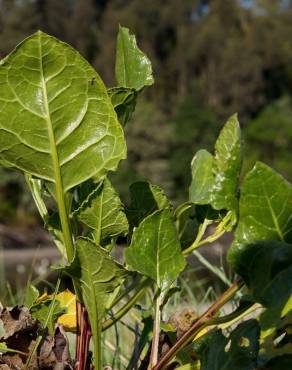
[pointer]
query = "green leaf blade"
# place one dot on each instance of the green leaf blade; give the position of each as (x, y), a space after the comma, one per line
(146, 198)
(215, 178)
(133, 68)
(238, 351)
(228, 161)
(99, 275)
(103, 212)
(155, 249)
(200, 191)
(56, 120)
(265, 210)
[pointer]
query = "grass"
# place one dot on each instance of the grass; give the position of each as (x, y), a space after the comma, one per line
(198, 287)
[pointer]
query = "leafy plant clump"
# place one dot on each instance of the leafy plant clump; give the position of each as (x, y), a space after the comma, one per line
(63, 129)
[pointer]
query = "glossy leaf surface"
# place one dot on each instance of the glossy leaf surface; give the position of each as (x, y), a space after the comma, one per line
(56, 119)
(215, 179)
(155, 249)
(265, 210)
(103, 212)
(133, 68)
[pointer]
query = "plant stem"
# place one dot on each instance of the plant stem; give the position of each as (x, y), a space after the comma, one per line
(196, 243)
(65, 224)
(97, 354)
(123, 310)
(156, 331)
(189, 335)
(220, 230)
(60, 193)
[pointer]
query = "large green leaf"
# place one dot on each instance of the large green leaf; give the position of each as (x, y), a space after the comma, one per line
(155, 249)
(133, 68)
(98, 276)
(266, 267)
(145, 199)
(238, 351)
(265, 210)
(56, 119)
(269, 285)
(215, 179)
(103, 212)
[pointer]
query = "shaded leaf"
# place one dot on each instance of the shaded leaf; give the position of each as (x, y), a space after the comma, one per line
(124, 101)
(265, 210)
(41, 313)
(238, 351)
(266, 267)
(269, 285)
(99, 276)
(31, 295)
(103, 212)
(56, 119)
(145, 199)
(155, 249)
(280, 363)
(133, 68)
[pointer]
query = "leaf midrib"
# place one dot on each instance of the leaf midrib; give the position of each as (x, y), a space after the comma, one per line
(56, 165)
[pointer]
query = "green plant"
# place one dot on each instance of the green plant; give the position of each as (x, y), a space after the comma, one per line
(63, 129)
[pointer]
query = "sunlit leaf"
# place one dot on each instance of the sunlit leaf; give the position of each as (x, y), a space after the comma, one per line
(215, 179)
(103, 212)
(265, 210)
(155, 249)
(98, 276)
(56, 119)
(133, 68)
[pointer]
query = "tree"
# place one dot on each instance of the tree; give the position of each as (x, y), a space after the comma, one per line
(17, 20)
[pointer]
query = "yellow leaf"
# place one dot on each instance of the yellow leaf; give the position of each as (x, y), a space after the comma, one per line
(67, 300)
(201, 333)
(43, 298)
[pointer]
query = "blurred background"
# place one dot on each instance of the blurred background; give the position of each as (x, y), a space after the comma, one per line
(210, 60)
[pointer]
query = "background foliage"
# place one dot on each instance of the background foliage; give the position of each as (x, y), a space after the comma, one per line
(210, 59)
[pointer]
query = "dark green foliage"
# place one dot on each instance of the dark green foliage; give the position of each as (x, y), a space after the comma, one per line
(238, 351)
